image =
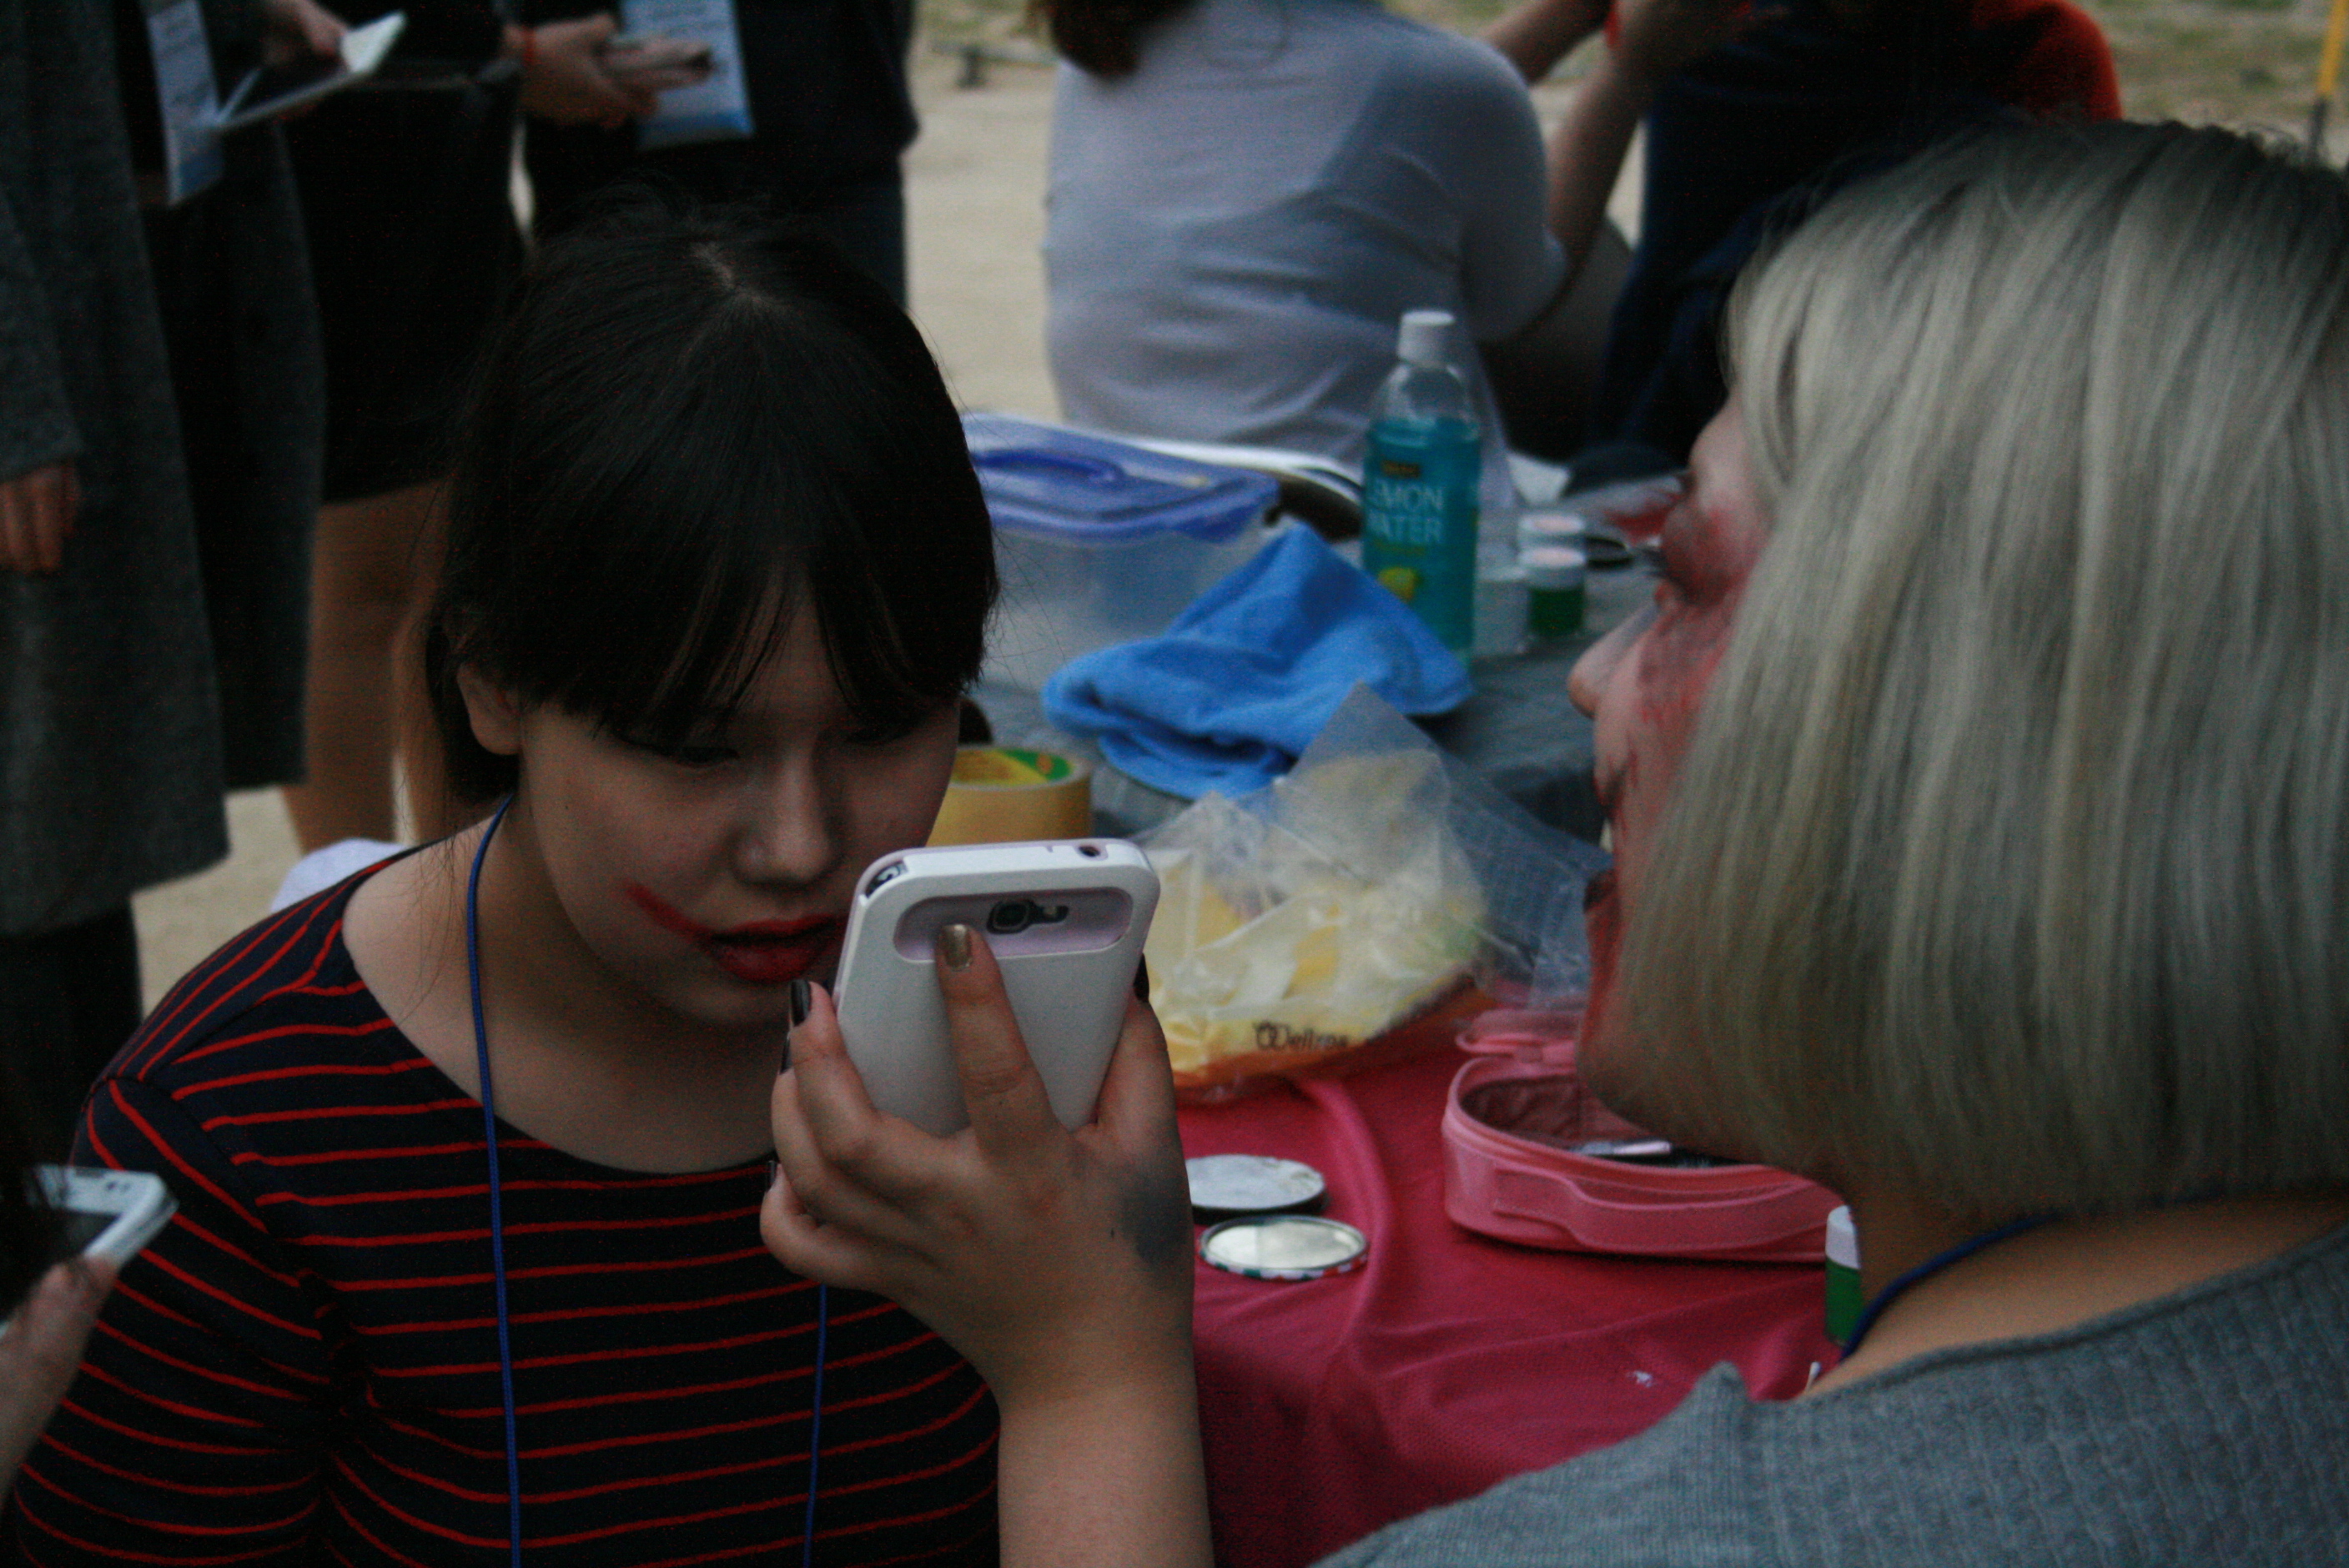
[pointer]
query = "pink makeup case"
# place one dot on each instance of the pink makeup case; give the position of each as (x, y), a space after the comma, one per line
(1514, 1110)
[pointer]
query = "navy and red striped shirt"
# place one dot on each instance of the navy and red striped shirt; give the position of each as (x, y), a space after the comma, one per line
(304, 1366)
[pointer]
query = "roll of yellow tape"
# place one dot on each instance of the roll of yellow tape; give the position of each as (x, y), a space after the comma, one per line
(1005, 794)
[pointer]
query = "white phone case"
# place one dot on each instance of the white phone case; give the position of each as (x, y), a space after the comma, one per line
(121, 1210)
(1066, 920)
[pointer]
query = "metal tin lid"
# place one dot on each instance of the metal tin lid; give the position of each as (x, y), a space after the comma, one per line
(1227, 1186)
(1284, 1246)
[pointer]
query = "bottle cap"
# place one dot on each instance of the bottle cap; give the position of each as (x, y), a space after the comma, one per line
(1552, 566)
(1284, 1246)
(1425, 338)
(1550, 525)
(1846, 1297)
(1227, 1186)
(1843, 1238)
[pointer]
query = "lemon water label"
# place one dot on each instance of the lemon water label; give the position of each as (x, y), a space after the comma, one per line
(1420, 479)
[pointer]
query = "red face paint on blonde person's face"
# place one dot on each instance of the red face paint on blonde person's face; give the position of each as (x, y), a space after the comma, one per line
(1644, 686)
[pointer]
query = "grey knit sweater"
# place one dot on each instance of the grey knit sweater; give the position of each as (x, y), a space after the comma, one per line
(2209, 1427)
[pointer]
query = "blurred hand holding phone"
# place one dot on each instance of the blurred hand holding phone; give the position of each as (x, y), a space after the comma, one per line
(103, 1214)
(104, 1217)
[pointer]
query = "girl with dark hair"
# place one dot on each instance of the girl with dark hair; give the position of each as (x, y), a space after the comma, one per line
(719, 572)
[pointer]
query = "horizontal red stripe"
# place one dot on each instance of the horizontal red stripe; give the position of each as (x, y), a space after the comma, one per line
(193, 1412)
(372, 1539)
(343, 1468)
(395, 1195)
(118, 1554)
(163, 1483)
(584, 1313)
(909, 1434)
(346, 1156)
(312, 1070)
(183, 1224)
(902, 1520)
(730, 1218)
(183, 1445)
(930, 1553)
(551, 1271)
(308, 1029)
(157, 1259)
(345, 1112)
(602, 1355)
(147, 1352)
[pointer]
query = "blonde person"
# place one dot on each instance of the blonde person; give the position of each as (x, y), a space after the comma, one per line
(1976, 785)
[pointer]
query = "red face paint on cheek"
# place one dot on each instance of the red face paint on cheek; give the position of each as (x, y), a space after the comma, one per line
(1640, 527)
(1709, 554)
(658, 911)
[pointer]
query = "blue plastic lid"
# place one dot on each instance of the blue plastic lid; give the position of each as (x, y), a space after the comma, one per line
(1054, 482)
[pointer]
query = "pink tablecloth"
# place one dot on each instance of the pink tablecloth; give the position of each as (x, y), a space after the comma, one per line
(1449, 1361)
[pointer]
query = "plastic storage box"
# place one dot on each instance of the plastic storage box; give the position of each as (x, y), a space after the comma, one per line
(1517, 1112)
(1099, 541)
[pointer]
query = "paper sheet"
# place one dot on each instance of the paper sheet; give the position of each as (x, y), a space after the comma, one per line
(718, 108)
(189, 97)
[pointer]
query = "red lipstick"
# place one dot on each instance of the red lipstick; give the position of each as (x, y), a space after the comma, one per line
(759, 952)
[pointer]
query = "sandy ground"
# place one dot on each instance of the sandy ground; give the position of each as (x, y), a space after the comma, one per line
(975, 195)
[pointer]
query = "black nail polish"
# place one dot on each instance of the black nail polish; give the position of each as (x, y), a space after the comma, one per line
(802, 995)
(1141, 981)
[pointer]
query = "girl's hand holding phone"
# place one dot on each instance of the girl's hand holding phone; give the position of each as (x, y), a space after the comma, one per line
(1021, 1242)
(1057, 1261)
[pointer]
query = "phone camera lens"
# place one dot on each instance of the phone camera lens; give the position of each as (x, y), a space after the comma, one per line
(1012, 914)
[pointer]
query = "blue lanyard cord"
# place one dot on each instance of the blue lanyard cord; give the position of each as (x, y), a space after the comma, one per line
(496, 1204)
(815, 1424)
(1931, 1266)
(498, 1240)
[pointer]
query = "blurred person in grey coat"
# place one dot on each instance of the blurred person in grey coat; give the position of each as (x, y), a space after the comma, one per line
(112, 759)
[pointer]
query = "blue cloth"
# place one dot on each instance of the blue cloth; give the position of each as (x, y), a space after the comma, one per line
(1237, 687)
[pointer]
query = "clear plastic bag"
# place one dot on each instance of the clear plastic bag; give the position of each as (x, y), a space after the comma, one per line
(1299, 924)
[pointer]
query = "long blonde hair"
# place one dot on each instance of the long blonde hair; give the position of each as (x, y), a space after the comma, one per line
(2008, 860)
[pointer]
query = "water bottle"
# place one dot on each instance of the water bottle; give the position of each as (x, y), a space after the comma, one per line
(1419, 481)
